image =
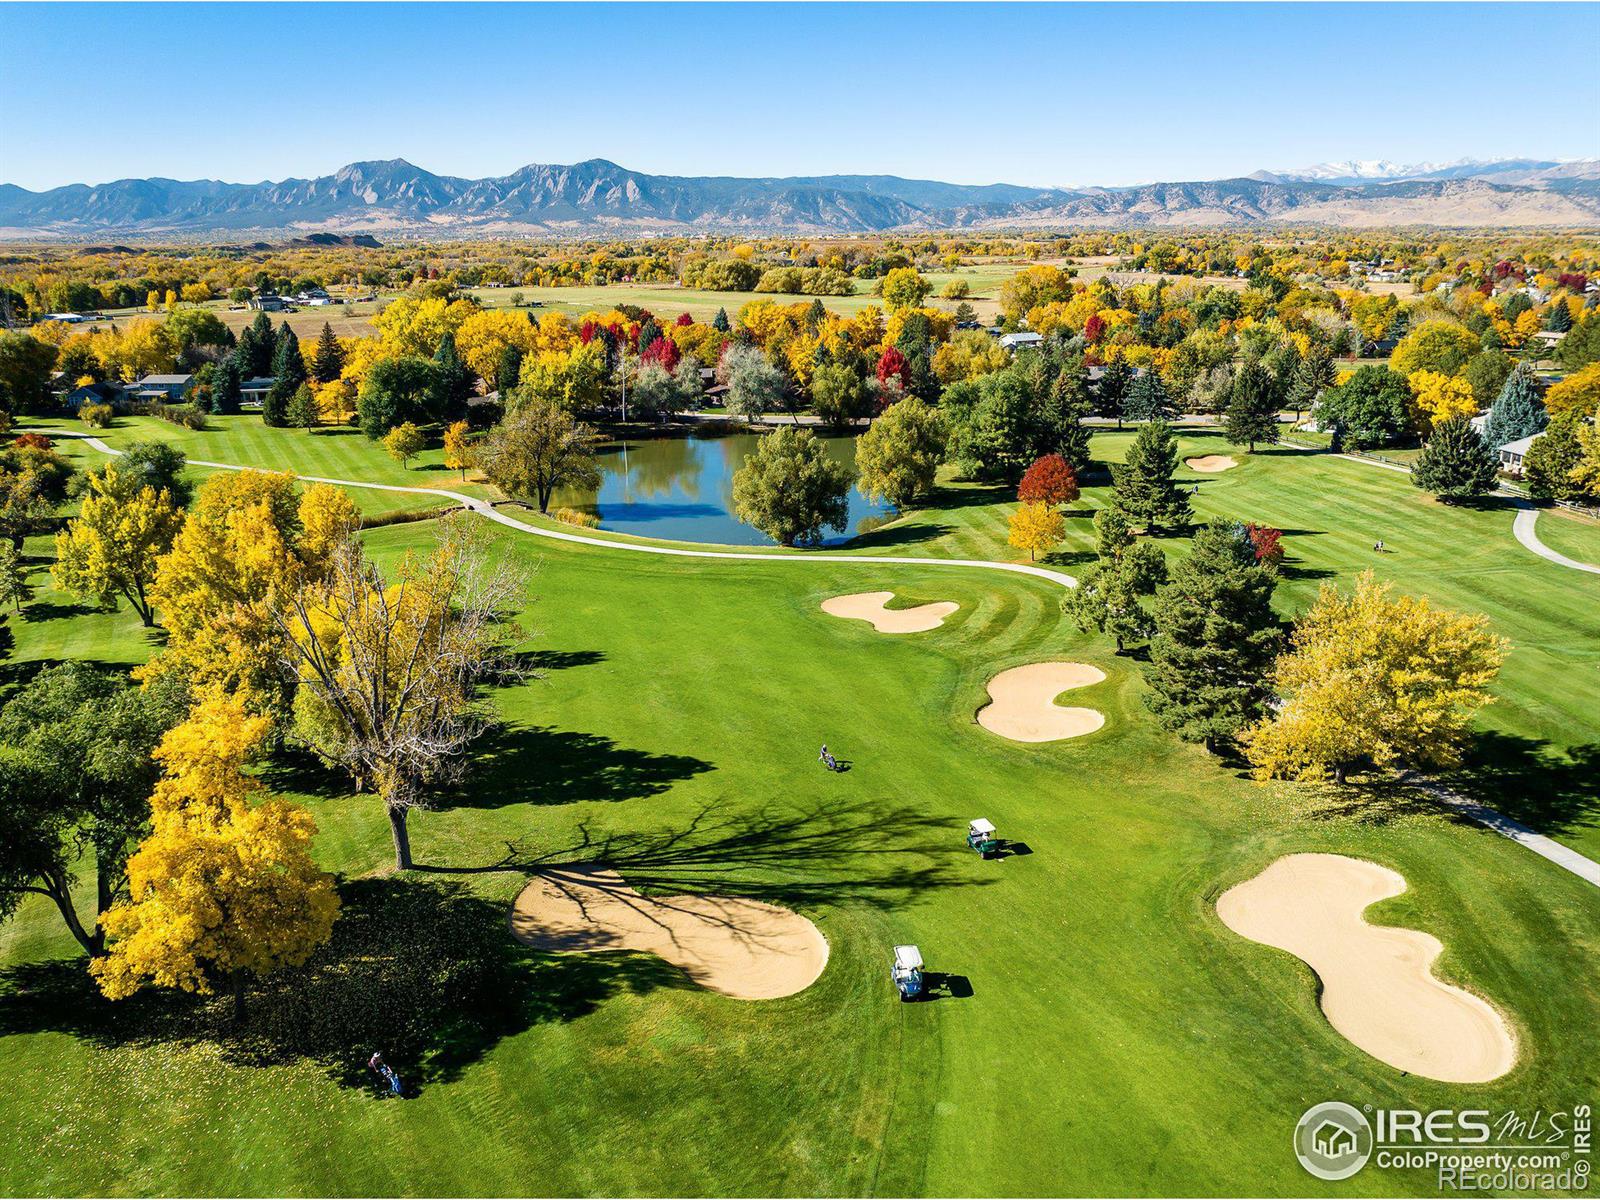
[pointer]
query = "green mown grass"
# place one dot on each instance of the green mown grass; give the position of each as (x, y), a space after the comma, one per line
(1116, 1039)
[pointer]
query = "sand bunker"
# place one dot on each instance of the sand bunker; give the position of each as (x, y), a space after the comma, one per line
(741, 948)
(1024, 707)
(869, 606)
(1210, 464)
(1378, 987)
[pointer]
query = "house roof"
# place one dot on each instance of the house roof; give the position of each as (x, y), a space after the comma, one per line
(163, 380)
(1520, 446)
(259, 383)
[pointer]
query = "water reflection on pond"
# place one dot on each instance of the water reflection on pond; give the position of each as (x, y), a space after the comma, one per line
(681, 489)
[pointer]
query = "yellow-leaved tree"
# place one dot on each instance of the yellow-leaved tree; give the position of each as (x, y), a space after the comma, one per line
(1036, 528)
(1440, 397)
(248, 539)
(457, 449)
(111, 549)
(1374, 677)
(224, 888)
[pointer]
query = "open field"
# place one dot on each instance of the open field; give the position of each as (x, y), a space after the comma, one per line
(1103, 1025)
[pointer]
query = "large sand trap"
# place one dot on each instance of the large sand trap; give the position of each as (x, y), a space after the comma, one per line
(1210, 464)
(1378, 987)
(869, 606)
(741, 948)
(1024, 707)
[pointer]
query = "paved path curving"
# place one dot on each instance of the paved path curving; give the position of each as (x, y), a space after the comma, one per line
(1524, 526)
(484, 509)
(1526, 529)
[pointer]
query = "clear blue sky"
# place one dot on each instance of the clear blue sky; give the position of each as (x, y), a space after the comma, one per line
(1030, 94)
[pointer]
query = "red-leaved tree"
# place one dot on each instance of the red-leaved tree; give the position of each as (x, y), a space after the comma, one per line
(1093, 328)
(1050, 480)
(684, 319)
(893, 365)
(663, 351)
(32, 441)
(1267, 542)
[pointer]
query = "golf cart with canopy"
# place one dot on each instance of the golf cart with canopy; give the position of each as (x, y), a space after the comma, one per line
(980, 837)
(907, 971)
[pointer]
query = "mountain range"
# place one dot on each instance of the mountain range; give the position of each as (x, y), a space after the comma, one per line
(395, 198)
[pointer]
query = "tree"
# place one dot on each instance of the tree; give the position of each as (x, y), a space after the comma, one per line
(509, 371)
(839, 394)
(720, 322)
(1372, 677)
(1036, 526)
(1578, 392)
(225, 383)
(223, 888)
(327, 363)
(112, 546)
(1456, 464)
(304, 412)
(395, 390)
(1112, 396)
(900, 454)
(1147, 400)
(1586, 474)
(1555, 455)
(1371, 408)
(755, 386)
(87, 736)
(256, 346)
(791, 490)
(904, 288)
(1252, 414)
(1441, 346)
(288, 377)
(389, 669)
(538, 448)
(15, 587)
(404, 442)
(1440, 398)
(1215, 639)
(1486, 374)
(25, 366)
(1050, 480)
(1109, 596)
(158, 465)
(1313, 375)
(453, 380)
(1518, 411)
(457, 447)
(33, 483)
(1144, 492)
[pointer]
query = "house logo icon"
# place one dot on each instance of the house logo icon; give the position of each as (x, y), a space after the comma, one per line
(1333, 1140)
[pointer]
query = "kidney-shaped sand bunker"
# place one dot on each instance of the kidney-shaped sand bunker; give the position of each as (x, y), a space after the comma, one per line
(741, 948)
(1023, 706)
(870, 606)
(1378, 986)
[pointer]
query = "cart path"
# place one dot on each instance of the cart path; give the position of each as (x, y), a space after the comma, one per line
(484, 509)
(1547, 848)
(1524, 527)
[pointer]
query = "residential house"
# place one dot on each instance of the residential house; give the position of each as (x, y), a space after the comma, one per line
(167, 389)
(268, 303)
(113, 394)
(1512, 454)
(1017, 341)
(254, 391)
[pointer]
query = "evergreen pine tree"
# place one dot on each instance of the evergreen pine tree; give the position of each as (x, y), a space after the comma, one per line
(1456, 464)
(1252, 407)
(302, 410)
(1144, 492)
(453, 380)
(1148, 399)
(510, 368)
(1216, 637)
(328, 361)
(648, 333)
(256, 346)
(288, 373)
(1559, 319)
(225, 385)
(1518, 411)
(1312, 376)
(1112, 395)
(1068, 405)
(720, 322)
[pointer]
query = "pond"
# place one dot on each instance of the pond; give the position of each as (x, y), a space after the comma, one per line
(681, 489)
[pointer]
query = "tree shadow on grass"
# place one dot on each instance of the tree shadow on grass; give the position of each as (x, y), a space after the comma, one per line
(541, 765)
(896, 535)
(796, 857)
(423, 972)
(50, 610)
(1532, 782)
